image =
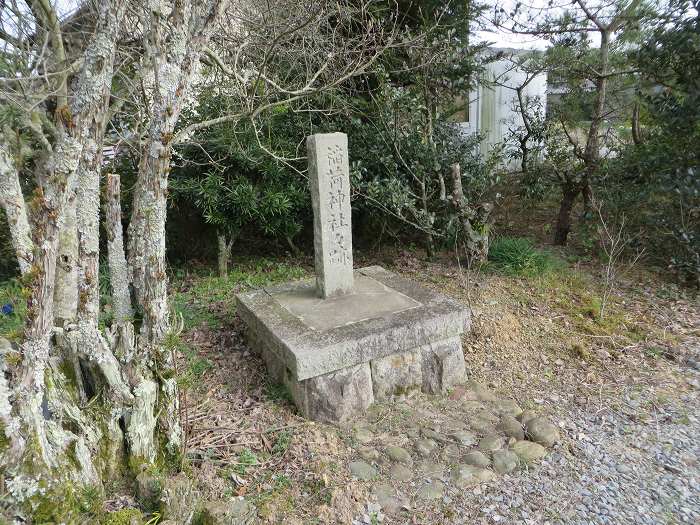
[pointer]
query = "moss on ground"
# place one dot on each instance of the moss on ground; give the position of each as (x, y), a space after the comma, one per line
(123, 517)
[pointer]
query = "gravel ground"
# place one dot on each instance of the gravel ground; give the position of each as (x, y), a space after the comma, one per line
(617, 470)
(637, 464)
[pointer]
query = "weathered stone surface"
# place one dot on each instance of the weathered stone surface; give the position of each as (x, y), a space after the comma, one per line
(236, 511)
(306, 352)
(451, 453)
(505, 461)
(511, 427)
(491, 443)
(477, 459)
(528, 451)
(542, 431)
(430, 469)
(507, 407)
(329, 182)
(481, 424)
(464, 438)
(337, 396)
(463, 393)
(443, 365)
(464, 476)
(369, 299)
(178, 499)
(526, 416)
(362, 434)
(399, 455)
(396, 374)
(436, 436)
(400, 472)
(425, 447)
(362, 470)
(312, 345)
(309, 361)
(369, 454)
(482, 392)
(388, 499)
(434, 489)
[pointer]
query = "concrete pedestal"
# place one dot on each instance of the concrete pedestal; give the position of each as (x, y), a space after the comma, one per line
(337, 355)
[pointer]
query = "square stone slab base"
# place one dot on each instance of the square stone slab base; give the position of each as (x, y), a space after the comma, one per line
(337, 356)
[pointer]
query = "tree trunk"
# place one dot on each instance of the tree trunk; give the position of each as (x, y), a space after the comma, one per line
(476, 243)
(118, 273)
(429, 244)
(12, 202)
(176, 39)
(636, 129)
(587, 195)
(563, 224)
(65, 297)
(525, 152)
(64, 441)
(225, 246)
(591, 155)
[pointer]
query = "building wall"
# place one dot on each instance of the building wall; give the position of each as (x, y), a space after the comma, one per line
(493, 104)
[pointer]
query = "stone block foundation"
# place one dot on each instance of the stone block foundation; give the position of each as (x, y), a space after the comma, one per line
(337, 356)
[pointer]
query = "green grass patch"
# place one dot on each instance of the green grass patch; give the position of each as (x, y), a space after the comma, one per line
(208, 300)
(518, 256)
(246, 459)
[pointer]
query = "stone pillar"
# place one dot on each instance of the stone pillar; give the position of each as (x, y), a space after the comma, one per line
(329, 181)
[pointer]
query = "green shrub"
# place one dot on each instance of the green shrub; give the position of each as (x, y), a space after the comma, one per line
(518, 256)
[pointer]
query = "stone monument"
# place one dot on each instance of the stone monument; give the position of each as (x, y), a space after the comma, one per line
(351, 336)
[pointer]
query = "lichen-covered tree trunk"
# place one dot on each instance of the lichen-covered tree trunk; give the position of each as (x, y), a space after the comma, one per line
(56, 439)
(176, 39)
(118, 273)
(66, 287)
(12, 202)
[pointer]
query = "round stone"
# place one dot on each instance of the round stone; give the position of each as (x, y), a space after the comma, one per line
(508, 407)
(368, 454)
(400, 472)
(491, 443)
(413, 433)
(363, 435)
(464, 438)
(387, 498)
(528, 451)
(477, 459)
(526, 416)
(399, 455)
(425, 447)
(541, 431)
(481, 424)
(362, 470)
(464, 476)
(430, 469)
(482, 392)
(511, 427)
(434, 489)
(505, 461)
(435, 436)
(451, 453)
